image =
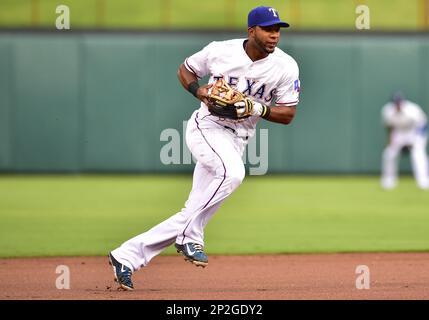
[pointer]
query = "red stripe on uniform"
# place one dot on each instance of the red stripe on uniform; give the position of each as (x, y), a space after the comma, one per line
(190, 68)
(286, 103)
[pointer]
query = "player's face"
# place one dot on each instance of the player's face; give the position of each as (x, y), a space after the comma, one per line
(267, 38)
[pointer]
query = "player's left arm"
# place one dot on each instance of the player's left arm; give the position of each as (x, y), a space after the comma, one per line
(282, 114)
(287, 98)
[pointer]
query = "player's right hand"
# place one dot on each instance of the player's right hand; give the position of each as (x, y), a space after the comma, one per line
(203, 93)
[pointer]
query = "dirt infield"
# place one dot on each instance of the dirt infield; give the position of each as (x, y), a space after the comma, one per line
(316, 276)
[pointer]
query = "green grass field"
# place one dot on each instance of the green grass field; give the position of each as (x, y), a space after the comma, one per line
(302, 14)
(90, 215)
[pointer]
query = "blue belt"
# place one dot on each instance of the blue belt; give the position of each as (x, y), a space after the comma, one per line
(235, 132)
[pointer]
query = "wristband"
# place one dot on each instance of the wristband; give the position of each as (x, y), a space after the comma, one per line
(265, 112)
(193, 88)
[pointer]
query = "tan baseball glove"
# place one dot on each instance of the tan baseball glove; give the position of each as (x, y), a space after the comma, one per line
(226, 102)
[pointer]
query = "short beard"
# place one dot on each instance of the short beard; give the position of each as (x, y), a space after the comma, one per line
(262, 47)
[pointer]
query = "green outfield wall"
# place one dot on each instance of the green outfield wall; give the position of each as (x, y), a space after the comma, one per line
(111, 102)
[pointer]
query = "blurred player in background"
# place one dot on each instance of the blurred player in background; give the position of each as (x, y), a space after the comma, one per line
(407, 128)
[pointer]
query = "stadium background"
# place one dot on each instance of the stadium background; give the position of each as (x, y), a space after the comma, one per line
(95, 99)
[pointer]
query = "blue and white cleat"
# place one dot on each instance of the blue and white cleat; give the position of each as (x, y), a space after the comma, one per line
(194, 253)
(122, 274)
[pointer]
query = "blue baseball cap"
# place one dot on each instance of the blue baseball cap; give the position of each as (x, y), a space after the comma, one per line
(263, 17)
(397, 97)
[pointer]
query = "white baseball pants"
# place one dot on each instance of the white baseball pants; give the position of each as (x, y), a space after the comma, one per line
(419, 160)
(218, 172)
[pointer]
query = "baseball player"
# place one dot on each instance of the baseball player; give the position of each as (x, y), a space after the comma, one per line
(269, 80)
(407, 128)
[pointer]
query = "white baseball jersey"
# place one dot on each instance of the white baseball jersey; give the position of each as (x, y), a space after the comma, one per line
(273, 80)
(408, 120)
